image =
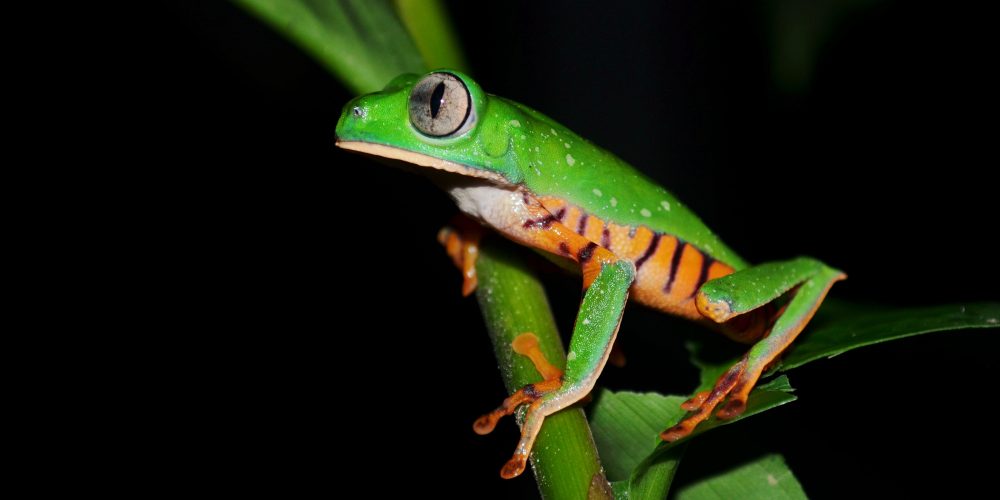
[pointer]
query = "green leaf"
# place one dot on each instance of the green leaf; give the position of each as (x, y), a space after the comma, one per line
(427, 21)
(765, 478)
(840, 327)
(626, 428)
(361, 41)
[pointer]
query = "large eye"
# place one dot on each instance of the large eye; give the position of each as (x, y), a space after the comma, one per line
(440, 104)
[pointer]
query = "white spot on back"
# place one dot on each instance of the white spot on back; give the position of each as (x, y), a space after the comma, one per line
(772, 480)
(666, 205)
(571, 356)
(553, 131)
(597, 192)
(614, 201)
(645, 212)
(991, 321)
(569, 160)
(566, 144)
(586, 321)
(536, 149)
(515, 123)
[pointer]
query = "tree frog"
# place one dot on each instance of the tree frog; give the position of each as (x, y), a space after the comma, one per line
(518, 172)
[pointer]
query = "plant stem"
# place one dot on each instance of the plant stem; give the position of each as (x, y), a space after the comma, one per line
(513, 302)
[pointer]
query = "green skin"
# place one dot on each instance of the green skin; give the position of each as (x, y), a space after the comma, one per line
(516, 147)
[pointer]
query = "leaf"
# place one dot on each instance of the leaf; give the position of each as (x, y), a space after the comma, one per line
(627, 425)
(427, 21)
(840, 327)
(626, 428)
(363, 42)
(765, 478)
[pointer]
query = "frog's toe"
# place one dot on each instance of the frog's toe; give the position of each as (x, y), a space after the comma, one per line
(461, 241)
(513, 468)
(700, 406)
(733, 408)
(525, 395)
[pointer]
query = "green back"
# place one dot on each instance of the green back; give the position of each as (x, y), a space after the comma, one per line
(530, 149)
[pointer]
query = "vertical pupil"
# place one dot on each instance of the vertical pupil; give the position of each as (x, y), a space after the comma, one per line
(436, 98)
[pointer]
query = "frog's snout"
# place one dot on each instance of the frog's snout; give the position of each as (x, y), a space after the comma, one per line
(355, 113)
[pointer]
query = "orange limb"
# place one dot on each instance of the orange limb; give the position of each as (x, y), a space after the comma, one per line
(461, 241)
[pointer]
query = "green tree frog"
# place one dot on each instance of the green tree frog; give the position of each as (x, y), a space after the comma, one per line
(518, 172)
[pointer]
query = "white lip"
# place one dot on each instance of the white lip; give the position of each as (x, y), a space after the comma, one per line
(419, 159)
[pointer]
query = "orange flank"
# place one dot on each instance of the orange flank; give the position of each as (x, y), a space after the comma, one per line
(669, 271)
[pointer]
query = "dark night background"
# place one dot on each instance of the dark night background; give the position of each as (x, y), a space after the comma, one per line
(874, 162)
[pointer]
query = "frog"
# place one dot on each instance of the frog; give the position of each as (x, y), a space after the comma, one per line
(521, 174)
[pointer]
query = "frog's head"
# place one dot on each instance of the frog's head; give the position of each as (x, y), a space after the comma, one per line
(441, 120)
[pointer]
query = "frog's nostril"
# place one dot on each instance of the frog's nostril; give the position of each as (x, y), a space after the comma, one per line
(359, 112)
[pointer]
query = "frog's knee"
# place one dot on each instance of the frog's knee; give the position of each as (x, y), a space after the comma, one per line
(717, 310)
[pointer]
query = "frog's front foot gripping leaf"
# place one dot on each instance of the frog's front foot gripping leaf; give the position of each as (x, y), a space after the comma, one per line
(461, 240)
(594, 333)
(725, 298)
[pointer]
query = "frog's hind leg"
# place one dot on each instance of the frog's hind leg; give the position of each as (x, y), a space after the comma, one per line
(461, 241)
(724, 298)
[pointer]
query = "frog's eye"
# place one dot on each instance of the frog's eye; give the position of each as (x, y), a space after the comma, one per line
(440, 105)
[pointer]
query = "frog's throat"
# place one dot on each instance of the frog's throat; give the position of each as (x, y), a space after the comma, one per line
(420, 159)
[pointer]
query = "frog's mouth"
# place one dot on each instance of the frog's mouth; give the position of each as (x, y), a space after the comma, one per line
(413, 158)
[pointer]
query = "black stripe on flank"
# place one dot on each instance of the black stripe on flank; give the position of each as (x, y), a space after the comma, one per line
(581, 227)
(564, 248)
(606, 238)
(560, 214)
(586, 252)
(675, 262)
(650, 250)
(542, 223)
(703, 277)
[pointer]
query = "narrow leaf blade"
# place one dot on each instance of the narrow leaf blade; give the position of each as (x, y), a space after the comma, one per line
(767, 477)
(840, 327)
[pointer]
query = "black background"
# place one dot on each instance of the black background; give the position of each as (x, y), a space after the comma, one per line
(878, 167)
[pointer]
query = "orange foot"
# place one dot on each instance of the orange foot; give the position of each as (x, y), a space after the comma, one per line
(461, 240)
(733, 384)
(525, 344)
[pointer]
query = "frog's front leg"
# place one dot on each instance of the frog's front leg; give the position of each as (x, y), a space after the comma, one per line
(727, 297)
(461, 241)
(606, 282)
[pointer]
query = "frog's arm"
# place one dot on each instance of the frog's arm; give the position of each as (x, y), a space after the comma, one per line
(730, 296)
(606, 283)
